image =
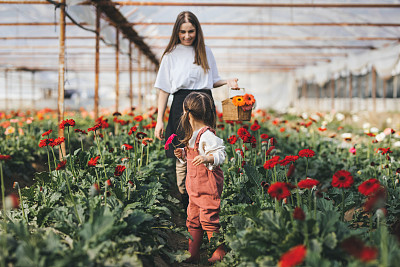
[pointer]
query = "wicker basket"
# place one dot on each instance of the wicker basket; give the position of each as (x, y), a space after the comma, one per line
(230, 112)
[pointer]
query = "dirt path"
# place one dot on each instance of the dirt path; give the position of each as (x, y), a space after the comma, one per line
(179, 242)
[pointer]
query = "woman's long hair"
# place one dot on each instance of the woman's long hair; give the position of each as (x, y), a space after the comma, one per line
(200, 57)
(202, 108)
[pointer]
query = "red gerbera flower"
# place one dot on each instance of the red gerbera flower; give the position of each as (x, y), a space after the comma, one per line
(81, 131)
(271, 163)
(255, 127)
(242, 132)
(357, 249)
(67, 123)
(138, 118)
(94, 128)
(308, 153)
(132, 130)
(288, 159)
(295, 256)
(108, 183)
(369, 186)
(47, 133)
(308, 183)
(61, 165)
(58, 141)
(127, 147)
(384, 150)
(5, 157)
(93, 161)
(264, 136)
(140, 135)
(232, 139)
(279, 190)
(46, 142)
(342, 179)
(119, 170)
(298, 214)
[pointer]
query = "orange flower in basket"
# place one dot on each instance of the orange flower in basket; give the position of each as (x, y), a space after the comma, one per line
(249, 99)
(238, 101)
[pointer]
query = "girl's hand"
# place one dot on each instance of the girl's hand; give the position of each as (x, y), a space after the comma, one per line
(178, 153)
(202, 160)
(159, 130)
(232, 83)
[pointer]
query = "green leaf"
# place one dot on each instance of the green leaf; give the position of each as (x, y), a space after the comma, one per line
(177, 256)
(42, 177)
(330, 240)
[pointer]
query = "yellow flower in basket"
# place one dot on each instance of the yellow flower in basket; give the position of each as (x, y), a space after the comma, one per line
(238, 101)
(245, 100)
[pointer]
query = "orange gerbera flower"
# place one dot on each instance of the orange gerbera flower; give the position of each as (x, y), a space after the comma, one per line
(238, 101)
(249, 99)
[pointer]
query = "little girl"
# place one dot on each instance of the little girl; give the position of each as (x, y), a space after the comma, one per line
(204, 152)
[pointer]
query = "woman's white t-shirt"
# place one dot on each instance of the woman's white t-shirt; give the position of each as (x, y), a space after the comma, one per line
(177, 71)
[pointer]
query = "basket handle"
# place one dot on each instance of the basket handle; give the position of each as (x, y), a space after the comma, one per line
(234, 89)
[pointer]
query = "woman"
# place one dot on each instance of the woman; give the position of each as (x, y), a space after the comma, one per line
(187, 65)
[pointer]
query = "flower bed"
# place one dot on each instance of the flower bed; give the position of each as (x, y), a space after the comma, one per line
(298, 190)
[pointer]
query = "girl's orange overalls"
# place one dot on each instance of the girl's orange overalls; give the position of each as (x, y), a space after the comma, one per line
(204, 188)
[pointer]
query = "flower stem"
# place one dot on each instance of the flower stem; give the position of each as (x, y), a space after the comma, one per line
(73, 200)
(342, 214)
(22, 205)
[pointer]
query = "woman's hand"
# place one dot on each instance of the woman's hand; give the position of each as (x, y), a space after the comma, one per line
(178, 153)
(159, 130)
(232, 83)
(202, 160)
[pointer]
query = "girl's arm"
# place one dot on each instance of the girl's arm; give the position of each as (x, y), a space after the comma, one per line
(232, 83)
(212, 150)
(180, 153)
(162, 105)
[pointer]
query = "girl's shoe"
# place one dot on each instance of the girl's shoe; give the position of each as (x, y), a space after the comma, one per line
(195, 244)
(219, 253)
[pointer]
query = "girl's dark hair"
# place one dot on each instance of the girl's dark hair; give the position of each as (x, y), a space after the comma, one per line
(202, 108)
(200, 57)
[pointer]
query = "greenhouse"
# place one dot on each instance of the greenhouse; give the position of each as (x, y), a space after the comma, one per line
(184, 133)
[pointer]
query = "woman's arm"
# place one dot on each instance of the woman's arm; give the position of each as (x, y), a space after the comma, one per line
(232, 83)
(162, 105)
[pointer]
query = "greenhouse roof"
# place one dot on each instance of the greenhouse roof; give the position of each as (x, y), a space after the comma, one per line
(244, 36)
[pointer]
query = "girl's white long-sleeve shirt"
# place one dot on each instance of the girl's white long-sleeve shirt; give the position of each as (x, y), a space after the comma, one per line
(209, 144)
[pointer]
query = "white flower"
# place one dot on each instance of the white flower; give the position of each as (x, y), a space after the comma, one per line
(374, 130)
(366, 126)
(397, 144)
(329, 117)
(339, 116)
(346, 135)
(355, 118)
(315, 117)
(324, 123)
(380, 137)
(233, 160)
(304, 115)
